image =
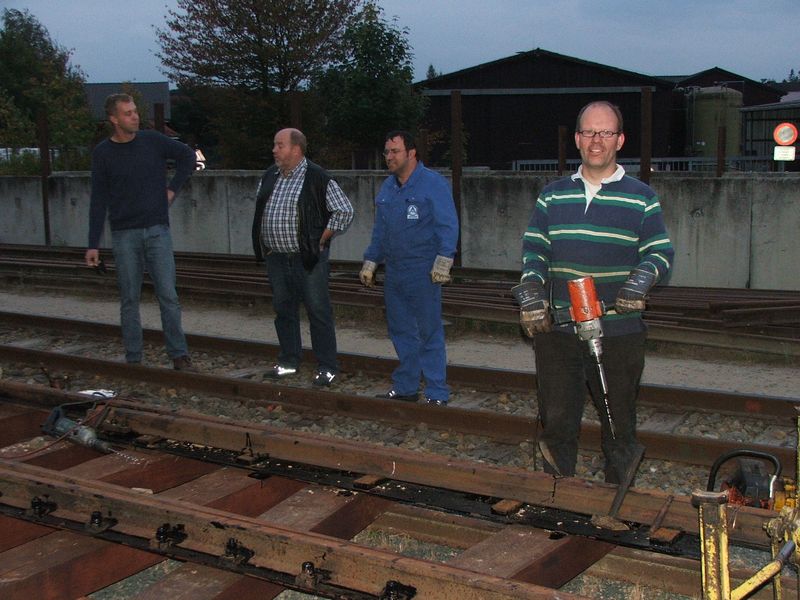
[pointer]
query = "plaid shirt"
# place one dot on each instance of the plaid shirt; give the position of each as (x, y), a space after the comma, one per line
(279, 223)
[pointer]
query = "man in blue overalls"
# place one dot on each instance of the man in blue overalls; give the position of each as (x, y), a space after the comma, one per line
(415, 236)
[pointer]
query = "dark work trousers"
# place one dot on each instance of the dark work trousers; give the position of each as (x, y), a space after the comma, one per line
(292, 285)
(565, 370)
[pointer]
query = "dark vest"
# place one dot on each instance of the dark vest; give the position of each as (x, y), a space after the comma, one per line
(312, 213)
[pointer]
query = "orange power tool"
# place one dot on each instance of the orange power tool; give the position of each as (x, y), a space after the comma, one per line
(586, 310)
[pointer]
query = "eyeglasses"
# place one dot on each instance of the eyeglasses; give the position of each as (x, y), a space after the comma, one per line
(393, 151)
(605, 133)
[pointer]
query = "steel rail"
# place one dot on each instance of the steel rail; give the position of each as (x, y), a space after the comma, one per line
(479, 377)
(535, 489)
(550, 563)
(347, 566)
(484, 298)
(503, 428)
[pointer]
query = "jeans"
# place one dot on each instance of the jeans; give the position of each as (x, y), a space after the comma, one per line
(565, 372)
(292, 285)
(414, 318)
(135, 250)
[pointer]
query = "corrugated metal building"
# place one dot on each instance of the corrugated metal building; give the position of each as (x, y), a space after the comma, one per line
(758, 125)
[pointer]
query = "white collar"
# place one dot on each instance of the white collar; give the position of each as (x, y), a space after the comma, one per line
(615, 176)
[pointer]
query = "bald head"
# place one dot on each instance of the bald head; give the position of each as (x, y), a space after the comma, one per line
(289, 148)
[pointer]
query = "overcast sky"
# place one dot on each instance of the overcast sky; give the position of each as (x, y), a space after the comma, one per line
(754, 38)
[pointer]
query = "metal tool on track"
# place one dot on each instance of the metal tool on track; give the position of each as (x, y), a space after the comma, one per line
(60, 426)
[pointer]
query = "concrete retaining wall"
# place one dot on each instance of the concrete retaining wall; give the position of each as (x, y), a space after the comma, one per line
(738, 231)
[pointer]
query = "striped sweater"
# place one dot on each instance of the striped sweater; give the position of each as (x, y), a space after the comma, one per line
(622, 228)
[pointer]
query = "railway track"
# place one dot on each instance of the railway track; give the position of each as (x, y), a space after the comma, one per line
(491, 410)
(246, 511)
(485, 512)
(756, 321)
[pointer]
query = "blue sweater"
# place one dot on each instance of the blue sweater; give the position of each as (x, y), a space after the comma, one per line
(623, 228)
(129, 182)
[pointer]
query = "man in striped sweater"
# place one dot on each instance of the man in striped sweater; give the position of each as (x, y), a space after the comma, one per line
(598, 222)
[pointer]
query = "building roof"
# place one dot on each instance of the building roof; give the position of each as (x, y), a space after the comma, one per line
(152, 93)
(531, 57)
(716, 76)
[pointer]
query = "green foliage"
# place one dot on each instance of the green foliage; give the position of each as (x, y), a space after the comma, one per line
(240, 63)
(260, 45)
(369, 93)
(21, 164)
(37, 79)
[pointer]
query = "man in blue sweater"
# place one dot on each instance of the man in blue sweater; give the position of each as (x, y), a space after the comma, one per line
(129, 184)
(598, 222)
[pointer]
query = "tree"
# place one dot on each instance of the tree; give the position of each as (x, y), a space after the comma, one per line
(431, 72)
(260, 45)
(369, 93)
(256, 54)
(36, 78)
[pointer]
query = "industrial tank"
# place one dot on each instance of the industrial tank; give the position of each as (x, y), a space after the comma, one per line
(710, 108)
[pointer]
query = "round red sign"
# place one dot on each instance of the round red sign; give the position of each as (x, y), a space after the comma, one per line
(785, 134)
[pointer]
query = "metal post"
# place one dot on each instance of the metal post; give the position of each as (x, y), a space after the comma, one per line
(422, 145)
(721, 141)
(158, 117)
(562, 149)
(456, 146)
(645, 159)
(295, 110)
(43, 132)
(714, 543)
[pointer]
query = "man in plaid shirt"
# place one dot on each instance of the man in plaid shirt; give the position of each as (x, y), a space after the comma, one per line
(299, 208)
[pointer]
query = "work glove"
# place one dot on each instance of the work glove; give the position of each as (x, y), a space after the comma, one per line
(633, 293)
(440, 273)
(534, 314)
(367, 273)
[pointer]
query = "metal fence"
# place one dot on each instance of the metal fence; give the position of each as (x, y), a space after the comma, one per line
(701, 164)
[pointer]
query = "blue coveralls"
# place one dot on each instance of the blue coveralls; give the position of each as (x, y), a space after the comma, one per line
(413, 224)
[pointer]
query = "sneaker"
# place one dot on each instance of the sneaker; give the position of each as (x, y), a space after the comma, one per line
(436, 402)
(279, 372)
(323, 378)
(392, 395)
(183, 363)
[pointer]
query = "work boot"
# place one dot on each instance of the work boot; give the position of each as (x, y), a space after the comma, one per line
(323, 378)
(279, 372)
(436, 402)
(392, 395)
(183, 363)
